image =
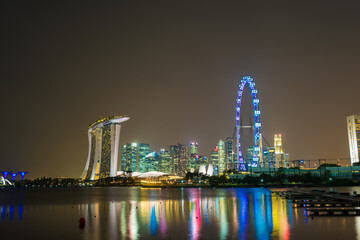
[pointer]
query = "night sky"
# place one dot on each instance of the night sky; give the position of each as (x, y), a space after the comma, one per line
(173, 67)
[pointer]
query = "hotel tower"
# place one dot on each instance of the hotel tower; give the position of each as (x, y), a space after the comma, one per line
(104, 138)
(353, 129)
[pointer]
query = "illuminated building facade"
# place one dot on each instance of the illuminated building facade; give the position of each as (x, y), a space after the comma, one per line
(287, 160)
(129, 161)
(269, 157)
(133, 157)
(249, 155)
(221, 156)
(279, 152)
(229, 153)
(194, 148)
(265, 159)
(104, 137)
(192, 164)
(164, 161)
(353, 129)
(215, 160)
(201, 160)
(179, 158)
(261, 152)
(143, 149)
(174, 158)
(183, 157)
(151, 162)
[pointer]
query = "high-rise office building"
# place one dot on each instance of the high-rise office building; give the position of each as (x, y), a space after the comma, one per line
(104, 137)
(174, 158)
(249, 155)
(132, 156)
(201, 160)
(261, 152)
(164, 161)
(194, 148)
(269, 157)
(215, 160)
(287, 160)
(353, 129)
(179, 158)
(151, 162)
(129, 161)
(183, 157)
(265, 158)
(221, 156)
(192, 166)
(143, 151)
(193, 158)
(279, 152)
(229, 153)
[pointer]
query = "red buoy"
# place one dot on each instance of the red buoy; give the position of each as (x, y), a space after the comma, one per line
(82, 220)
(81, 223)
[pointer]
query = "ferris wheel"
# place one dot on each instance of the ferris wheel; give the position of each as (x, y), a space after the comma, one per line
(241, 163)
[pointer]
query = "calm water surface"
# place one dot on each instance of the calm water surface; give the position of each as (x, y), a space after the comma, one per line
(143, 213)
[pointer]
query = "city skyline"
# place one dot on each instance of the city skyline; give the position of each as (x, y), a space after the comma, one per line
(176, 75)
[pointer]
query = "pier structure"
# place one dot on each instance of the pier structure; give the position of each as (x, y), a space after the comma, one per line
(322, 203)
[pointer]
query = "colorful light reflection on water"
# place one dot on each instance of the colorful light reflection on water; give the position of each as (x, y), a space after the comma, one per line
(143, 213)
(245, 214)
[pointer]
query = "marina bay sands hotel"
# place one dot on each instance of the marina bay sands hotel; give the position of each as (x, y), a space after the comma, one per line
(104, 139)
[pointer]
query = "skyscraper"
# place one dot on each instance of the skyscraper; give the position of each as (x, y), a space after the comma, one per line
(174, 158)
(183, 158)
(261, 156)
(151, 162)
(279, 152)
(164, 161)
(221, 156)
(193, 148)
(215, 160)
(179, 158)
(143, 151)
(201, 160)
(129, 157)
(104, 137)
(192, 164)
(269, 157)
(353, 129)
(229, 153)
(249, 155)
(132, 156)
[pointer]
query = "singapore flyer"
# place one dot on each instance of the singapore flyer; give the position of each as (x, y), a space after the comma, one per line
(241, 163)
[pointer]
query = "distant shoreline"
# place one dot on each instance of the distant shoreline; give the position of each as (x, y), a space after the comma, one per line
(190, 186)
